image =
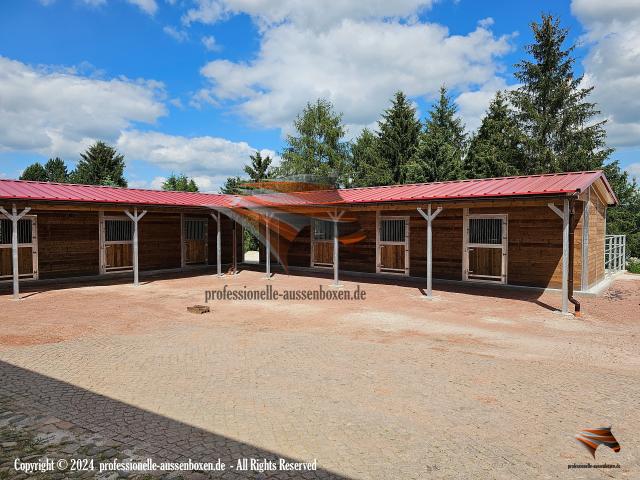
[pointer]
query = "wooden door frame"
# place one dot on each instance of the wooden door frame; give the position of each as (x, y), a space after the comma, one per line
(380, 243)
(103, 244)
(504, 246)
(34, 249)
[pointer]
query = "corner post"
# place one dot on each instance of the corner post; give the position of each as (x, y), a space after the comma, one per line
(564, 215)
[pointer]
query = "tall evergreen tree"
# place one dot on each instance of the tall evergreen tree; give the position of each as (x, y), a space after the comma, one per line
(232, 186)
(258, 170)
(56, 170)
(496, 148)
(101, 164)
(34, 172)
(442, 145)
(318, 146)
(180, 183)
(398, 137)
(367, 167)
(552, 107)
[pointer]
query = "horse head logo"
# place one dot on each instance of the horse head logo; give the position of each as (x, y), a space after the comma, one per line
(592, 438)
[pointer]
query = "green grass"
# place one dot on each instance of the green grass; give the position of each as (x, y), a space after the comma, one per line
(633, 265)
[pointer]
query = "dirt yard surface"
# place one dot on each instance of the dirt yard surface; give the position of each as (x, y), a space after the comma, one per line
(393, 386)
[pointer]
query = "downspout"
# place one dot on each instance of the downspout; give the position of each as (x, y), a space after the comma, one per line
(575, 302)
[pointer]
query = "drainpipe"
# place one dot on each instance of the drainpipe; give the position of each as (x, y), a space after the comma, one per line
(575, 302)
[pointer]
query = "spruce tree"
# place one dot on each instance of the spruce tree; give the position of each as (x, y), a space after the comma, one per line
(399, 132)
(496, 148)
(367, 167)
(258, 170)
(232, 186)
(56, 170)
(34, 172)
(552, 108)
(318, 146)
(180, 183)
(441, 149)
(101, 164)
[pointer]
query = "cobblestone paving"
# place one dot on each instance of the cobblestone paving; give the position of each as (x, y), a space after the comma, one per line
(391, 388)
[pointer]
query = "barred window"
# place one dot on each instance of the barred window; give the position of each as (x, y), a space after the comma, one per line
(118, 230)
(25, 233)
(392, 230)
(322, 230)
(485, 231)
(195, 229)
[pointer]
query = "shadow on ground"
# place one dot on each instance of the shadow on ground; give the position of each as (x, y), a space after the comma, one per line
(147, 434)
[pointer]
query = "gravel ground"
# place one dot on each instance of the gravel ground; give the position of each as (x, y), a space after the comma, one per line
(393, 386)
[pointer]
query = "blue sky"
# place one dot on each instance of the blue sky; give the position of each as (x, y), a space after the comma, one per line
(195, 86)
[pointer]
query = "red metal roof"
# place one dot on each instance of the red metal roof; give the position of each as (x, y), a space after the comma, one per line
(549, 184)
(67, 192)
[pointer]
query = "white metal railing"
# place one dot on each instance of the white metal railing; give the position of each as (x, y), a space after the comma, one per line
(615, 252)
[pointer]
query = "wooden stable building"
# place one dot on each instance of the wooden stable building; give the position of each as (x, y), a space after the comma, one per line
(544, 231)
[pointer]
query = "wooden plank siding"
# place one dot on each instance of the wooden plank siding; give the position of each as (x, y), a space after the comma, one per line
(68, 244)
(534, 244)
(159, 242)
(597, 231)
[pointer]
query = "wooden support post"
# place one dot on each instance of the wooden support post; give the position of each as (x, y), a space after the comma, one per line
(336, 218)
(235, 250)
(429, 217)
(267, 235)
(564, 215)
(135, 218)
(14, 216)
(216, 217)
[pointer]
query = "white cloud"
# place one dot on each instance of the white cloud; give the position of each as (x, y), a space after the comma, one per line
(210, 44)
(613, 64)
(155, 184)
(55, 112)
(147, 6)
(357, 65)
(178, 35)
(209, 159)
(205, 11)
(633, 169)
(306, 14)
(473, 104)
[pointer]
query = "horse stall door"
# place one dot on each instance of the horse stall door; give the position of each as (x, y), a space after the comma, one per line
(322, 243)
(117, 243)
(485, 249)
(195, 241)
(393, 245)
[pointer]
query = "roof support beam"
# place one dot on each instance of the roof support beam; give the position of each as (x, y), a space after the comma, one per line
(429, 217)
(135, 218)
(564, 215)
(14, 216)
